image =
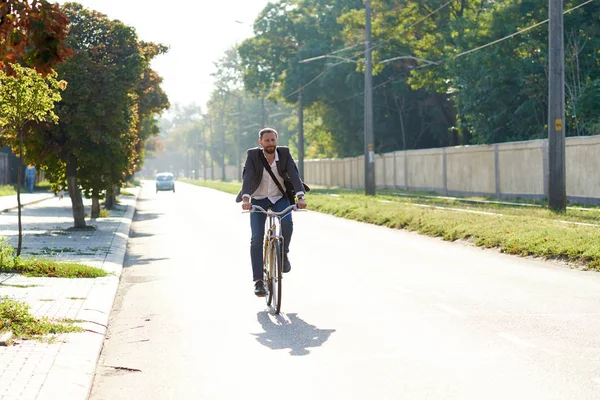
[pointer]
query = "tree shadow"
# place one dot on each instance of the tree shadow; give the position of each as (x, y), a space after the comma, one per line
(290, 332)
(133, 260)
(43, 212)
(145, 216)
(136, 234)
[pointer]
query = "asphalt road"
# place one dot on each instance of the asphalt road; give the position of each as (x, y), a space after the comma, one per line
(368, 313)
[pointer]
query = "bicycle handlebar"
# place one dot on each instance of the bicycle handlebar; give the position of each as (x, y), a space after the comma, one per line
(269, 212)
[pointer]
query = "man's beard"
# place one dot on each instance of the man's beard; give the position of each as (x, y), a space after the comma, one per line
(270, 149)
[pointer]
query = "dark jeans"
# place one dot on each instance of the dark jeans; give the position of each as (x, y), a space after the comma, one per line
(257, 223)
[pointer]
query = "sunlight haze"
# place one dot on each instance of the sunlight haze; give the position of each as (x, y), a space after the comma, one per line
(197, 32)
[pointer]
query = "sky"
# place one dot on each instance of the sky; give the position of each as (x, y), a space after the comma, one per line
(197, 31)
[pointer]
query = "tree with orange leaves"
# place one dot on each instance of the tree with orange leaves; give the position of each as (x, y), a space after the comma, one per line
(32, 33)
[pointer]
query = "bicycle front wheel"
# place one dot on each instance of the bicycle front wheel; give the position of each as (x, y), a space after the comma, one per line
(268, 258)
(276, 275)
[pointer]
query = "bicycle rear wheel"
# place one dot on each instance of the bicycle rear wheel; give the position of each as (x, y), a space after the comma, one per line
(277, 272)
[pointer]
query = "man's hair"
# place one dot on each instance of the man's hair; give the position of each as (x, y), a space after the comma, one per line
(262, 132)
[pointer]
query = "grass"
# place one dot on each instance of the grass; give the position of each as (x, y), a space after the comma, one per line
(49, 268)
(229, 187)
(43, 186)
(16, 317)
(17, 285)
(7, 190)
(104, 213)
(131, 183)
(126, 193)
(43, 267)
(519, 230)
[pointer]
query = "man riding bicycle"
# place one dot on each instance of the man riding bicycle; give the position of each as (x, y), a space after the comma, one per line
(268, 170)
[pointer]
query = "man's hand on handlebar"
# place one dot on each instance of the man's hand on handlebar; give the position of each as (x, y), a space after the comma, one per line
(301, 203)
(246, 205)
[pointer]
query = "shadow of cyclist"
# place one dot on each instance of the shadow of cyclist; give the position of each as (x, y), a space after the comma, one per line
(290, 333)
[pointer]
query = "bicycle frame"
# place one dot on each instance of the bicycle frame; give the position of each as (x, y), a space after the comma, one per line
(273, 243)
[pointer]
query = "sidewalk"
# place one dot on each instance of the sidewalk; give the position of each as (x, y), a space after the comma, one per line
(65, 368)
(9, 203)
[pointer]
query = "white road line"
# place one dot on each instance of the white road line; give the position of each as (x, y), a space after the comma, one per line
(516, 340)
(457, 209)
(448, 309)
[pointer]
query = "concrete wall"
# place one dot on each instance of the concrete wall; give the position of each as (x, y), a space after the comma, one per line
(475, 162)
(583, 167)
(425, 169)
(521, 168)
(508, 170)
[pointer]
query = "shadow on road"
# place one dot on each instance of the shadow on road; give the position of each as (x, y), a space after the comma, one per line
(133, 260)
(134, 233)
(290, 333)
(145, 216)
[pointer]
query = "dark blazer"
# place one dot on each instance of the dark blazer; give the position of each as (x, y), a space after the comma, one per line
(253, 171)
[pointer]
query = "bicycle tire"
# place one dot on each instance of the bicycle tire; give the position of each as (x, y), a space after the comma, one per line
(267, 278)
(276, 284)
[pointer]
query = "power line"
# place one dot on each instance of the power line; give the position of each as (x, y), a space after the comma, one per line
(383, 40)
(319, 76)
(390, 80)
(464, 53)
(431, 63)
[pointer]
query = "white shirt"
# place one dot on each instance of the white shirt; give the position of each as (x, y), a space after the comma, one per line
(268, 188)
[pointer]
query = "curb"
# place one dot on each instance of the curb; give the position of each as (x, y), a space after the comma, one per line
(72, 374)
(27, 204)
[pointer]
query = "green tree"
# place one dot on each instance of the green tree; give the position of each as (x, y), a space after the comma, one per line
(27, 99)
(111, 92)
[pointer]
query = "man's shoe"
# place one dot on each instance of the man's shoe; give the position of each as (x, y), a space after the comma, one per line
(287, 267)
(259, 289)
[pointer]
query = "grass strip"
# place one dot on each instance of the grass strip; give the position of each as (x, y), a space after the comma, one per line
(7, 190)
(16, 317)
(523, 231)
(41, 267)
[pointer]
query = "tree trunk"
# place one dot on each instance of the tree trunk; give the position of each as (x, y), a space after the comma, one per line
(76, 200)
(115, 191)
(95, 207)
(19, 178)
(110, 198)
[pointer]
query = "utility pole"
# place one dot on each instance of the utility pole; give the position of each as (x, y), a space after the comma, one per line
(557, 192)
(222, 146)
(238, 161)
(212, 161)
(369, 150)
(196, 162)
(300, 135)
(204, 152)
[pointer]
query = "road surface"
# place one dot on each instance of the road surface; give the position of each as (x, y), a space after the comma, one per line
(368, 313)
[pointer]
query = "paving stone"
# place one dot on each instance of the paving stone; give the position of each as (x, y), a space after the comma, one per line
(65, 368)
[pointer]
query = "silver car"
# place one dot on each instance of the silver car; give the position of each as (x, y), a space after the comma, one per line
(165, 181)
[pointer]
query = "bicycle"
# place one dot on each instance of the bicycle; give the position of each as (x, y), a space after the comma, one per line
(273, 255)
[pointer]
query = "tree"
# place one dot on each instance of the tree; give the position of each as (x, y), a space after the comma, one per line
(26, 100)
(32, 32)
(111, 91)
